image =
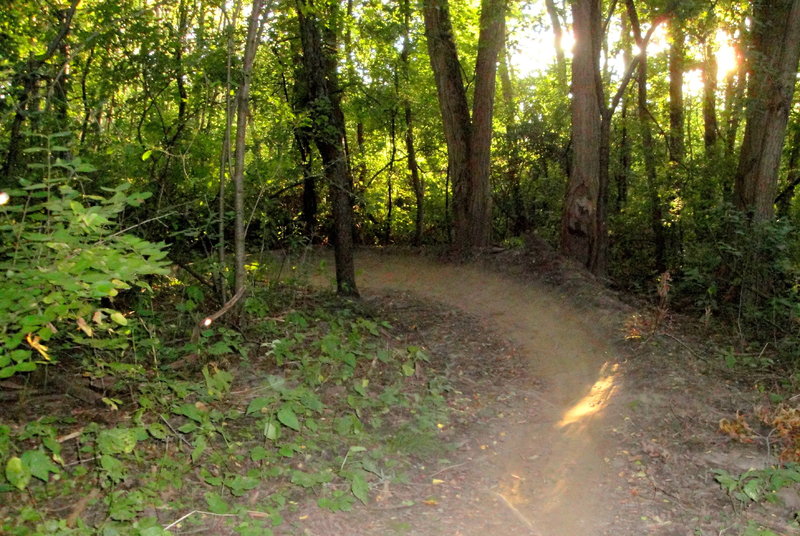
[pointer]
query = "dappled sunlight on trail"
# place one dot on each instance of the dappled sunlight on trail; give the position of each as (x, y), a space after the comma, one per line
(598, 397)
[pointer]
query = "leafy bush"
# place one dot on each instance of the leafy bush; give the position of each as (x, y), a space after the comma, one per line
(745, 272)
(61, 253)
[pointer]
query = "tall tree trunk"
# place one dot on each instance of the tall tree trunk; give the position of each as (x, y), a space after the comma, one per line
(784, 199)
(710, 127)
(490, 41)
(242, 108)
(87, 109)
(624, 164)
(558, 35)
(732, 115)
(387, 236)
(677, 148)
(648, 147)
(519, 216)
(226, 168)
(580, 236)
(468, 139)
(323, 86)
(411, 153)
(25, 101)
(309, 214)
(583, 225)
(773, 63)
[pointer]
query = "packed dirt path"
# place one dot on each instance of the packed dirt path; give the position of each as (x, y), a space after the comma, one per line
(553, 474)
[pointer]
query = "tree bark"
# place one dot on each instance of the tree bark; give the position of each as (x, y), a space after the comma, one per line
(328, 132)
(490, 41)
(558, 34)
(710, 127)
(677, 147)
(784, 199)
(773, 63)
(468, 139)
(648, 147)
(519, 217)
(242, 109)
(580, 235)
(411, 153)
(29, 82)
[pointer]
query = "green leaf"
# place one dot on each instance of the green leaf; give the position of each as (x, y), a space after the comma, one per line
(40, 464)
(216, 504)
(258, 453)
(113, 467)
(157, 430)
(153, 531)
(270, 430)
(17, 473)
(146, 155)
(287, 417)
(199, 447)
(753, 489)
(359, 487)
(117, 441)
(119, 318)
(84, 167)
(258, 404)
(191, 411)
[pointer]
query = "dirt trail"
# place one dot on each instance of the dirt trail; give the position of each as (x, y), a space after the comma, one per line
(554, 472)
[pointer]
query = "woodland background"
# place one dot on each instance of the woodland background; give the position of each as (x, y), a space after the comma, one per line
(164, 361)
(646, 140)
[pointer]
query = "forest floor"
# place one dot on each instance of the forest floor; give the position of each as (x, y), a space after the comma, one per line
(584, 415)
(511, 395)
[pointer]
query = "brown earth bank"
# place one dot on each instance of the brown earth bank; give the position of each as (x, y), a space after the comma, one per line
(574, 419)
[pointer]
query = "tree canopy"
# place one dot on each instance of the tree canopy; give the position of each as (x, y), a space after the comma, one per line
(636, 137)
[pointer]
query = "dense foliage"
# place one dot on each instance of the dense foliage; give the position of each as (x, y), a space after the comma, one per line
(211, 129)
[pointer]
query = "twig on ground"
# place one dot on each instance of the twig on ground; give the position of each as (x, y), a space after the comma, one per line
(524, 520)
(179, 436)
(689, 348)
(193, 512)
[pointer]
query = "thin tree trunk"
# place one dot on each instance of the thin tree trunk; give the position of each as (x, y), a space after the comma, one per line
(648, 147)
(225, 164)
(454, 109)
(710, 127)
(387, 237)
(677, 147)
(242, 110)
(624, 165)
(87, 109)
(558, 35)
(411, 154)
(784, 199)
(519, 216)
(490, 41)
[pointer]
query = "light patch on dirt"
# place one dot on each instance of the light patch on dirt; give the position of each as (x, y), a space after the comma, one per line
(551, 474)
(570, 430)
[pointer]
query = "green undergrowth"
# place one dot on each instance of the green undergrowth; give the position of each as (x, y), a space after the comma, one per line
(313, 399)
